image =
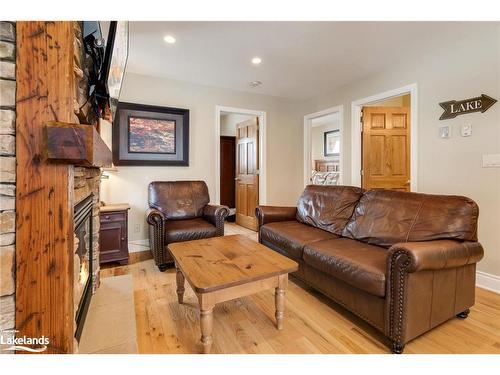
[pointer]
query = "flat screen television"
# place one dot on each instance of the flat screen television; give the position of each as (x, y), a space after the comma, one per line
(107, 46)
(115, 61)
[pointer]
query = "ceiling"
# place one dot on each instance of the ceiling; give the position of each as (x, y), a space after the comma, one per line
(299, 59)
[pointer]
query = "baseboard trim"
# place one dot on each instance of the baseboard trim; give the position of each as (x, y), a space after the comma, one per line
(488, 281)
(137, 246)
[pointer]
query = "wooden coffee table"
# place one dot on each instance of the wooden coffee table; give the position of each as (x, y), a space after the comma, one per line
(220, 269)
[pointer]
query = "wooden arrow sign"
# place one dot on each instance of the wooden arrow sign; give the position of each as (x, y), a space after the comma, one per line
(453, 108)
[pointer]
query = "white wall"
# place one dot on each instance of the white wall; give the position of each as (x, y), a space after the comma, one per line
(318, 141)
(284, 158)
(462, 69)
(228, 122)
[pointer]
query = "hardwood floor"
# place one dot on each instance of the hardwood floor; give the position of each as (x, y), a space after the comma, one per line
(313, 323)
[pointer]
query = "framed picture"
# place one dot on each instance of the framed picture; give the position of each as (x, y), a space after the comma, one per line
(331, 143)
(150, 135)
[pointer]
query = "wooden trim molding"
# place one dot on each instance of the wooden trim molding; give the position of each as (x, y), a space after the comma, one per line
(308, 141)
(44, 194)
(262, 115)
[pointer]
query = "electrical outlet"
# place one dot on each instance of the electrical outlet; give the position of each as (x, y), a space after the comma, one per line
(137, 228)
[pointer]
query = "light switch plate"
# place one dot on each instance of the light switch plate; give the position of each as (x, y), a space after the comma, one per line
(466, 130)
(444, 132)
(491, 161)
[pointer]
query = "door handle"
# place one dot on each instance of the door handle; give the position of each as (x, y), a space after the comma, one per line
(237, 179)
(407, 182)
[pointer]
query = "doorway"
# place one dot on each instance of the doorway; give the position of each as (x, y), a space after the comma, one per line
(323, 147)
(385, 144)
(239, 171)
(384, 139)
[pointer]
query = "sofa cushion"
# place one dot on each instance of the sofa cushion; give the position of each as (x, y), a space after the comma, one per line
(356, 263)
(291, 236)
(328, 207)
(386, 217)
(178, 199)
(187, 230)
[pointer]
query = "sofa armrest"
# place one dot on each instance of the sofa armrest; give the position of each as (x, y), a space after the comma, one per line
(270, 214)
(216, 215)
(435, 255)
(156, 220)
(154, 216)
(411, 257)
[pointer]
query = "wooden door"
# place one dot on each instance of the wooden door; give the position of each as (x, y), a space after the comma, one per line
(247, 173)
(386, 148)
(227, 170)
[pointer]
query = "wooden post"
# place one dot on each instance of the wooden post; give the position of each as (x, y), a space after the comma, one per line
(44, 201)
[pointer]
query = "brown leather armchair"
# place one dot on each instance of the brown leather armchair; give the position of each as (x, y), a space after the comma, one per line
(179, 211)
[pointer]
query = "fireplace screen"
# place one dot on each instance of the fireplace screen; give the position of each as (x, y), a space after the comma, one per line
(82, 262)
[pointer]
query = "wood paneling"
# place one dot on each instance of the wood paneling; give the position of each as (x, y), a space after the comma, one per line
(386, 148)
(44, 225)
(247, 178)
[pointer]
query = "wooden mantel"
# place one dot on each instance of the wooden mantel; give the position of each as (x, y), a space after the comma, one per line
(76, 144)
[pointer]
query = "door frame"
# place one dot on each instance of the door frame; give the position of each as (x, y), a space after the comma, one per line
(356, 128)
(262, 115)
(308, 146)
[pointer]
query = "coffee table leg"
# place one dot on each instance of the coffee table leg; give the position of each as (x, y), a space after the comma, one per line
(207, 320)
(279, 298)
(180, 285)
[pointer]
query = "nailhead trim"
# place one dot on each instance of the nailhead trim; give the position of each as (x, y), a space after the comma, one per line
(220, 216)
(157, 247)
(395, 329)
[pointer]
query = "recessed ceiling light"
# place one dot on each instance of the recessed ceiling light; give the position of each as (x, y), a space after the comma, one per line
(169, 39)
(256, 60)
(255, 83)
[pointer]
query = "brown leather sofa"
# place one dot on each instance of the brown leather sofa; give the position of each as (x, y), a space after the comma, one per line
(179, 211)
(403, 262)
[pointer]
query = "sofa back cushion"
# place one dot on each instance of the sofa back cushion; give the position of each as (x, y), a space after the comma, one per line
(386, 217)
(178, 199)
(328, 207)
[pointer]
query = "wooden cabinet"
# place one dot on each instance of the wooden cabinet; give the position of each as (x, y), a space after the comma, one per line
(113, 233)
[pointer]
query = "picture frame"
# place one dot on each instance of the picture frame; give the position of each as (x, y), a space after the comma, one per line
(331, 146)
(146, 135)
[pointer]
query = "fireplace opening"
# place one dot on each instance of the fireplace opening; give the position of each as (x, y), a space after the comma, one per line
(82, 262)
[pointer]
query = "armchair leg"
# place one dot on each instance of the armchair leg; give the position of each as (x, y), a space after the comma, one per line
(163, 267)
(397, 348)
(463, 314)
